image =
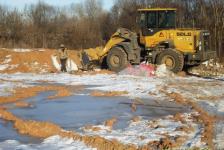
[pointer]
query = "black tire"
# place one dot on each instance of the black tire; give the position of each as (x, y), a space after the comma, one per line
(117, 59)
(173, 59)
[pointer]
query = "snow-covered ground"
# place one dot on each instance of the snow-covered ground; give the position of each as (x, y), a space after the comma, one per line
(51, 143)
(208, 91)
(151, 131)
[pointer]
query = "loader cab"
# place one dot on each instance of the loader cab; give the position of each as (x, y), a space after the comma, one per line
(155, 19)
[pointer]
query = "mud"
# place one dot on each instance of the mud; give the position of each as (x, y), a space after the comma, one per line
(185, 129)
(154, 124)
(110, 123)
(168, 142)
(108, 94)
(133, 107)
(134, 104)
(138, 101)
(23, 93)
(23, 105)
(92, 128)
(179, 117)
(182, 74)
(164, 143)
(136, 119)
(211, 98)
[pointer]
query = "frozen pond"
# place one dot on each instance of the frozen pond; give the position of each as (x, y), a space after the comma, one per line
(74, 112)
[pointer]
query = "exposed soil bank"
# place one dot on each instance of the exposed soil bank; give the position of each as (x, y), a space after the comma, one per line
(22, 93)
(108, 94)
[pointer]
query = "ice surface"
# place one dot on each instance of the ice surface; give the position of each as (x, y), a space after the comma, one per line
(51, 143)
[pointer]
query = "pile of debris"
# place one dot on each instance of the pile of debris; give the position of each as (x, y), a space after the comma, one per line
(209, 68)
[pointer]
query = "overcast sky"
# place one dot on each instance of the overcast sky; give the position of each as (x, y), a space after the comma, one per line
(107, 4)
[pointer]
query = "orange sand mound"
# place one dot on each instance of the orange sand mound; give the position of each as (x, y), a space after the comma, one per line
(32, 62)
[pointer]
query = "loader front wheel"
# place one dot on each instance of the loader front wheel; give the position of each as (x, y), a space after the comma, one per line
(117, 59)
(173, 60)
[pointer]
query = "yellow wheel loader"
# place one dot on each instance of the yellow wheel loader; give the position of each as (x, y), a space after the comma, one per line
(158, 42)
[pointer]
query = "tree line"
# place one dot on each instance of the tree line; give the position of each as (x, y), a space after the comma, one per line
(87, 24)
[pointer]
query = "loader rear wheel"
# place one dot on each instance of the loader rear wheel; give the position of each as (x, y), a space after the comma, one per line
(117, 59)
(173, 60)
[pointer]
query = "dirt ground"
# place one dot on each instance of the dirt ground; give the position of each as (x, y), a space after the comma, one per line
(32, 61)
(25, 74)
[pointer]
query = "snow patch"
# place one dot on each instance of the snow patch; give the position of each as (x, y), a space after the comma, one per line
(21, 50)
(162, 71)
(7, 60)
(71, 66)
(135, 86)
(3, 67)
(51, 143)
(141, 133)
(221, 105)
(6, 87)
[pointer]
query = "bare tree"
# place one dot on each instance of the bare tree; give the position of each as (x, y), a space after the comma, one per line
(87, 24)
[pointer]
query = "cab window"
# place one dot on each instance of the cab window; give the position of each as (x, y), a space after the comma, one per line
(142, 19)
(151, 20)
(166, 19)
